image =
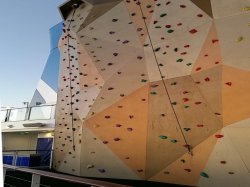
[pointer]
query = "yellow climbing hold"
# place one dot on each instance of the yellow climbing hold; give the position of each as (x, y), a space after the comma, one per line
(239, 39)
(248, 24)
(246, 8)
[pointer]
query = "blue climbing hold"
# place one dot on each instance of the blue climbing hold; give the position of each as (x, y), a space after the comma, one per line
(203, 174)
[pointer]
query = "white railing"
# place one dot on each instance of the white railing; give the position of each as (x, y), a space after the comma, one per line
(43, 112)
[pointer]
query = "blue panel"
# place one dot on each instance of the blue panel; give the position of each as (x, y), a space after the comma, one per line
(7, 159)
(44, 144)
(22, 161)
(51, 70)
(55, 34)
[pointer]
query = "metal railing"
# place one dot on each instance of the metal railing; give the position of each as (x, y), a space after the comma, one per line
(37, 174)
(41, 112)
(28, 158)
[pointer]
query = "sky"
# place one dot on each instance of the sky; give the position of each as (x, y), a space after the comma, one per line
(24, 46)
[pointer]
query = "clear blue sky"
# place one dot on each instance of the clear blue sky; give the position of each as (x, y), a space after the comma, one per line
(24, 47)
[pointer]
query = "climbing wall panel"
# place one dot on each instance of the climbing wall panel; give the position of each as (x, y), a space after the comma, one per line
(124, 121)
(125, 81)
(233, 33)
(236, 90)
(187, 168)
(96, 158)
(226, 8)
(209, 56)
(164, 134)
(114, 25)
(134, 10)
(155, 90)
(225, 166)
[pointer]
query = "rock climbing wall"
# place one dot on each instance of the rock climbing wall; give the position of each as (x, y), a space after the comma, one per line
(155, 90)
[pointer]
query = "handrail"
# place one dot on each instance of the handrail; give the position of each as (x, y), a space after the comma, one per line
(68, 178)
(28, 111)
(26, 150)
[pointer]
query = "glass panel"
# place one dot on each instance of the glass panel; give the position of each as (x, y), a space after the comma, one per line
(17, 114)
(43, 112)
(3, 115)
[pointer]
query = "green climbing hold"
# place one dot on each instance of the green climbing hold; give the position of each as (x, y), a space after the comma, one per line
(186, 106)
(143, 80)
(163, 15)
(187, 129)
(203, 174)
(157, 49)
(174, 103)
(173, 83)
(158, 27)
(148, 6)
(173, 141)
(189, 64)
(163, 137)
(170, 31)
(153, 93)
(179, 60)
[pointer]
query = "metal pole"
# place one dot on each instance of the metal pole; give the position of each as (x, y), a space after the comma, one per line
(35, 180)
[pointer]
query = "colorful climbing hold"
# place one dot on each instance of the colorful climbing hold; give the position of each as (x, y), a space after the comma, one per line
(170, 31)
(174, 103)
(229, 83)
(179, 60)
(163, 15)
(219, 136)
(188, 170)
(157, 49)
(174, 141)
(223, 162)
(163, 137)
(102, 170)
(239, 39)
(153, 93)
(203, 174)
(90, 166)
(183, 161)
(193, 31)
(187, 129)
(200, 125)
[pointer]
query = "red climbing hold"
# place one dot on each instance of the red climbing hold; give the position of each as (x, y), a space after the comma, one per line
(198, 69)
(185, 92)
(185, 99)
(188, 170)
(193, 31)
(229, 83)
(197, 103)
(200, 125)
(223, 162)
(207, 79)
(219, 136)
(215, 40)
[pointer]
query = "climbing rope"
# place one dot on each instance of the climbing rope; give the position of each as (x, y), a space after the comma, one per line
(70, 73)
(164, 84)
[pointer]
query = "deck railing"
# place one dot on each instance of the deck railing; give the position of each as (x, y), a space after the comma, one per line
(41, 112)
(37, 174)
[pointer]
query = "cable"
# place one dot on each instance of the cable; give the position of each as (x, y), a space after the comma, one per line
(6, 184)
(17, 178)
(165, 86)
